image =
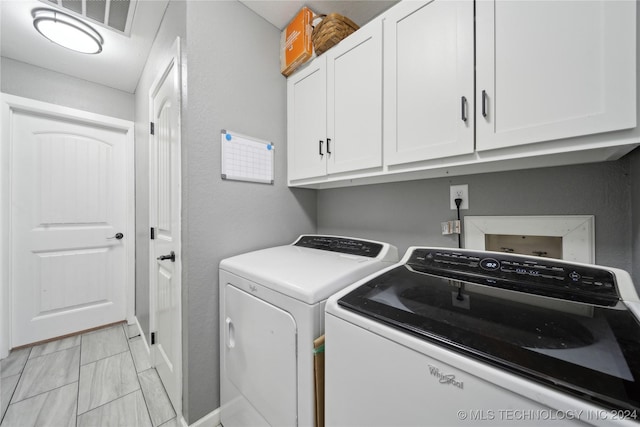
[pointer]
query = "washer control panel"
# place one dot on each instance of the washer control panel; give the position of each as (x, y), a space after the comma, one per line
(542, 276)
(340, 244)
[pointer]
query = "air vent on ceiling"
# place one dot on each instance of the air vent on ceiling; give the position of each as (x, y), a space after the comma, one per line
(116, 15)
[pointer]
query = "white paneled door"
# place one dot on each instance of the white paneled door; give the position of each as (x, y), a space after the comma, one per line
(68, 226)
(164, 210)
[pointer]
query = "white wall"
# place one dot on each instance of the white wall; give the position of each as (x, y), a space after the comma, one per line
(29, 81)
(234, 83)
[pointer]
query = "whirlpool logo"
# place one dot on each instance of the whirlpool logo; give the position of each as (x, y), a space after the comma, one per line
(445, 378)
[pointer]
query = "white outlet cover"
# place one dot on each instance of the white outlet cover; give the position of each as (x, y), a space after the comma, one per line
(463, 190)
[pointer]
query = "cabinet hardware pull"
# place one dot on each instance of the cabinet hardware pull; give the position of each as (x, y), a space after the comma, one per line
(320, 142)
(484, 103)
(463, 113)
(328, 146)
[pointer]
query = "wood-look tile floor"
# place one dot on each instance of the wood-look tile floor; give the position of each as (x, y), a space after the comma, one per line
(100, 378)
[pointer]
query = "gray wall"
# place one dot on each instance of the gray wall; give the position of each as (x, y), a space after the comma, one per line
(410, 213)
(29, 81)
(234, 83)
(173, 25)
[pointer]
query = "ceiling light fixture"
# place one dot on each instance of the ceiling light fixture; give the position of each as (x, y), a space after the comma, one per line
(67, 31)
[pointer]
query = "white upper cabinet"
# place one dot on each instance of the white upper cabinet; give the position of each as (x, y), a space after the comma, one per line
(428, 81)
(548, 70)
(435, 88)
(334, 109)
(307, 121)
(354, 101)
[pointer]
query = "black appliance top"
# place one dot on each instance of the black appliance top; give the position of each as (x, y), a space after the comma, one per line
(553, 322)
(340, 244)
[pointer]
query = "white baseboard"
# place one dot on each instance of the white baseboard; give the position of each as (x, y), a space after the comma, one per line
(212, 419)
(144, 337)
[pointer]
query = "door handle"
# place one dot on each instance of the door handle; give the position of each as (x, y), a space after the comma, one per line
(116, 236)
(171, 256)
(320, 142)
(328, 145)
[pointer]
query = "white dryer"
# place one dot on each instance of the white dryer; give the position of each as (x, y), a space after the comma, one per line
(271, 309)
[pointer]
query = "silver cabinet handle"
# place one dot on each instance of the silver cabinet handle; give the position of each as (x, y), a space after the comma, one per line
(463, 106)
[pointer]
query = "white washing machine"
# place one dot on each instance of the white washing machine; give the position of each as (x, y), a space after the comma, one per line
(271, 309)
(460, 337)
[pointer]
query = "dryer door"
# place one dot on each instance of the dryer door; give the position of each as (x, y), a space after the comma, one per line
(260, 352)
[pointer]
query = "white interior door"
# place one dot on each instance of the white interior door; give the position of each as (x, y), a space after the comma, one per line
(69, 201)
(165, 287)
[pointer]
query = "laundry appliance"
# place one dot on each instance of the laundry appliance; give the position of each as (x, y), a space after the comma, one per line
(271, 310)
(461, 337)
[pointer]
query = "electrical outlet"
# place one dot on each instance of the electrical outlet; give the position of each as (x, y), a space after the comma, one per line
(459, 191)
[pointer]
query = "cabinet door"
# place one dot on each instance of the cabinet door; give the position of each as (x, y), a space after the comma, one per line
(354, 101)
(307, 121)
(428, 86)
(553, 69)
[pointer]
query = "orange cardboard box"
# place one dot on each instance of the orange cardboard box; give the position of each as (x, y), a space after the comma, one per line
(295, 42)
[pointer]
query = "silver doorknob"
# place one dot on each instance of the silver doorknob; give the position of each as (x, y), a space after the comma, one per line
(171, 256)
(117, 236)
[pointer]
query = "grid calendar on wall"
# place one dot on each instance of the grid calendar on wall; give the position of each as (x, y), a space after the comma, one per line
(245, 158)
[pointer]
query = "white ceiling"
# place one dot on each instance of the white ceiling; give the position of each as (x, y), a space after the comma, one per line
(280, 12)
(121, 62)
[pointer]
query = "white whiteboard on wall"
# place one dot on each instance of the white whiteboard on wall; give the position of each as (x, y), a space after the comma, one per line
(245, 158)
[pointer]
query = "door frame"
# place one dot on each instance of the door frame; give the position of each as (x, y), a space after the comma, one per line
(9, 105)
(174, 61)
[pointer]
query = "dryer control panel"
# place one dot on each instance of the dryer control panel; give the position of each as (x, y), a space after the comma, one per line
(340, 244)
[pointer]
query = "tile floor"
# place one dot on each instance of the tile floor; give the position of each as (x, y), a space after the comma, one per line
(100, 378)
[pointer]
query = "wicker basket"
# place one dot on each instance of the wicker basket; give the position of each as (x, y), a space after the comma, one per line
(330, 31)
